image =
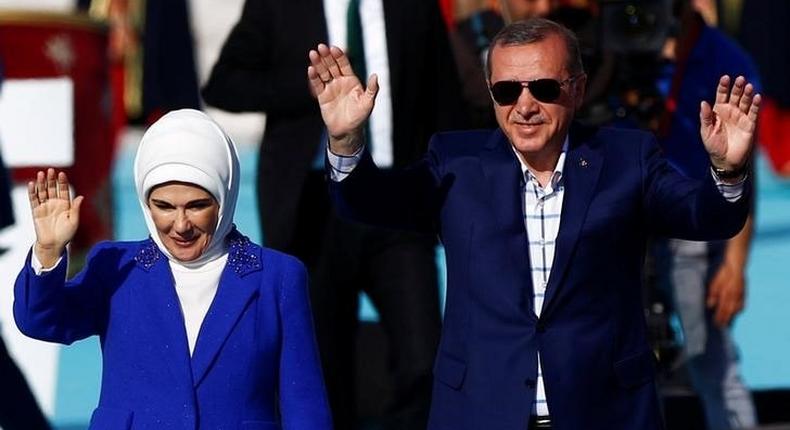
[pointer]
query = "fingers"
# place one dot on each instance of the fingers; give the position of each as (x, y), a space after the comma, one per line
(723, 89)
(737, 91)
(329, 60)
(41, 187)
(64, 192)
(706, 118)
(726, 311)
(75, 209)
(52, 184)
(742, 96)
(48, 186)
(754, 107)
(342, 61)
(320, 67)
(316, 84)
(714, 290)
(32, 194)
(746, 98)
(330, 63)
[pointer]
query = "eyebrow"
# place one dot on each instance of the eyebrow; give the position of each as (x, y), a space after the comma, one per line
(189, 203)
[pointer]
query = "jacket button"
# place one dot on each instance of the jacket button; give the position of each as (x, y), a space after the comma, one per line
(540, 327)
(530, 383)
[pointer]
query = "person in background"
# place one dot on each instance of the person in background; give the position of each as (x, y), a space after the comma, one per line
(544, 224)
(470, 40)
(707, 279)
(199, 327)
(151, 54)
(261, 68)
(18, 408)
(764, 33)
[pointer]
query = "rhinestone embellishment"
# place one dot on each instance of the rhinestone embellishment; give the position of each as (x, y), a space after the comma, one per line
(148, 255)
(241, 256)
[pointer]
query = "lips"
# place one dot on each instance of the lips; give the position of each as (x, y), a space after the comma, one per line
(182, 242)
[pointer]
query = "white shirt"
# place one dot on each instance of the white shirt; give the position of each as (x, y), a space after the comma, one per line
(376, 61)
(196, 289)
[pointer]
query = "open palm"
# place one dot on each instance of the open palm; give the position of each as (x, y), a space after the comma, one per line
(728, 129)
(345, 104)
(55, 215)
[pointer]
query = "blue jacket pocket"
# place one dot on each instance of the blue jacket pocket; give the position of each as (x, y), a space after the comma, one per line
(636, 370)
(450, 371)
(105, 418)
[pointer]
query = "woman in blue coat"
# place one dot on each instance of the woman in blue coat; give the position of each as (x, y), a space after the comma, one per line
(199, 327)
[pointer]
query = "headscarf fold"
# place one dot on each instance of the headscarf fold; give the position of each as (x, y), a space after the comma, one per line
(188, 146)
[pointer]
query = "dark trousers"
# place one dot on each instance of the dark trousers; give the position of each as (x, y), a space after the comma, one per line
(398, 272)
(18, 407)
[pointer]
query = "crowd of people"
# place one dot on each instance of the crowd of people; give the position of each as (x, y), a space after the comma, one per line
(544, 158)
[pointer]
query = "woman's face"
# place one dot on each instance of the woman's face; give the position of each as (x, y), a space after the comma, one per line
(185, 216)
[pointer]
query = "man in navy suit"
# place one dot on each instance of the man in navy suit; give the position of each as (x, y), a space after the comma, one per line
(544, 225)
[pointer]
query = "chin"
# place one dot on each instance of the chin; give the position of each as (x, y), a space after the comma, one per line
(528, 145)
(185, 255)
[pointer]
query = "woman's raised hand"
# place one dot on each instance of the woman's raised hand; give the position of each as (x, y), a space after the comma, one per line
(55, 214)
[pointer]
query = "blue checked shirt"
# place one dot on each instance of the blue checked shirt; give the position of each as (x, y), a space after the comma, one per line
(542, 211)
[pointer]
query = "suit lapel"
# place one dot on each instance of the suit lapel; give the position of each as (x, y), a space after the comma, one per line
(503, 175)
(233, 295)
(164, 320)
(583, 164)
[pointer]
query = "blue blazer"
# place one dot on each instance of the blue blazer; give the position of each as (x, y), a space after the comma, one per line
(598, 367)
(255, 363)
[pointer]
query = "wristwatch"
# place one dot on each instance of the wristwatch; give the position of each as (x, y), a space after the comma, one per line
(729, 174)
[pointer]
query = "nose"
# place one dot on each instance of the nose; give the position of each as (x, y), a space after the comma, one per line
(526, 103)
(182, 224)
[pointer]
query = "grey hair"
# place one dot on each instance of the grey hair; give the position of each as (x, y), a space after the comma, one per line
(535, 30)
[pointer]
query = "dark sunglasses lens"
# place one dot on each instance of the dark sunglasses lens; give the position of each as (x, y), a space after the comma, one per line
(506, 92)
(545, 90)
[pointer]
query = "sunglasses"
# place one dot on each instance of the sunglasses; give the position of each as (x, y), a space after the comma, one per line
(546, 90)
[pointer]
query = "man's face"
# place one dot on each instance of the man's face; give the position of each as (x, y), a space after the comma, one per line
(536, 129)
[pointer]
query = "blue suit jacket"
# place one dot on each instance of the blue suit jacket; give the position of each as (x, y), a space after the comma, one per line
(255, 363)
(598, 367)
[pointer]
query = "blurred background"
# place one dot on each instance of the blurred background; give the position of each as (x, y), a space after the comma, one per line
(80, 82)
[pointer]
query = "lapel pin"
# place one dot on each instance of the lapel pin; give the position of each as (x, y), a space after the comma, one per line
(583, 162)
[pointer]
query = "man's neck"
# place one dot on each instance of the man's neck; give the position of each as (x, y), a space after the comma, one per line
(541, 165)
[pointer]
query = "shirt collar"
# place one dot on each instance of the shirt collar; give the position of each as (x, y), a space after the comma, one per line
(556, 177)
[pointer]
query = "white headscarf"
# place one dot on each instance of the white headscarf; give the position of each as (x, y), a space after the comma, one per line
(188, 146)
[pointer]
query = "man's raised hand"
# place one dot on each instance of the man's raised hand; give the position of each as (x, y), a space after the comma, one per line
(728, 128)
(345, 104)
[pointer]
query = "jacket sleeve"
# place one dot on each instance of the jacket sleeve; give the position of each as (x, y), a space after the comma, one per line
(47, 307)
(408, 198)
(677, 206)
(303, 399)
